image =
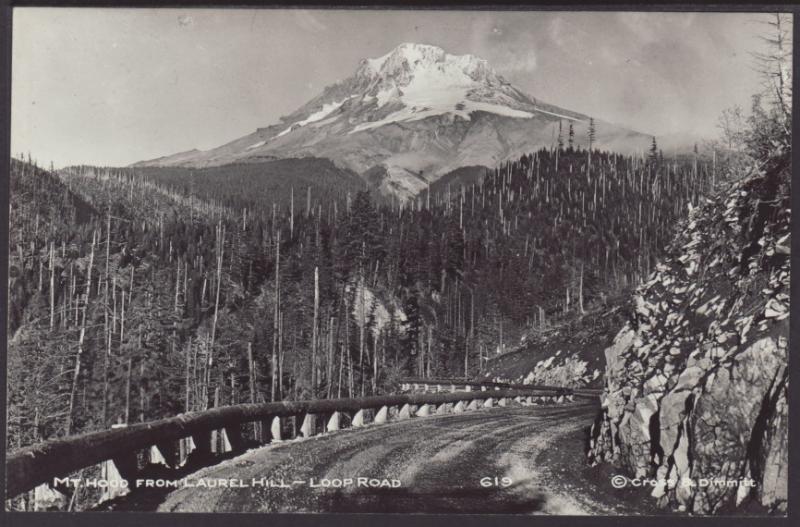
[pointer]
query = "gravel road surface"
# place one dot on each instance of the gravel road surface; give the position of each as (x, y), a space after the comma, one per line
(516, 459)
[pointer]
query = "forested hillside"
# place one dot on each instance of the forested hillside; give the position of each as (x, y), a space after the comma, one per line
(136, 294)
(253, 185)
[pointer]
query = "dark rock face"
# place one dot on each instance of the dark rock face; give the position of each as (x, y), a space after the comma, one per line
(696, 385)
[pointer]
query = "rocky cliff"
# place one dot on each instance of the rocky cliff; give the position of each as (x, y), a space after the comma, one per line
(696, 382)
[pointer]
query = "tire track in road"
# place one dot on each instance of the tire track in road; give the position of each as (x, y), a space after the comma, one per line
(369, 452)
(439, 461)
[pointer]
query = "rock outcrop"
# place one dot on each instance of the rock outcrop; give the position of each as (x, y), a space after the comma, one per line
(568, 353)
(696, 383)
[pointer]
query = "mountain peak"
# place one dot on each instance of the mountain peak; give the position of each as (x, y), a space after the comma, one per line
(414, 110)
(408, 58)
(409, 53)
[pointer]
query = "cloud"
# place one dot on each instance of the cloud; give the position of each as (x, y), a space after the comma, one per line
(518, 64)
(651, 27)
(307, 21)
(569, 33)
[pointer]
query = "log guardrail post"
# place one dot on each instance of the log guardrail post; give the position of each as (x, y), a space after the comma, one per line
(358, 419)
(235, 437)
(275, 429)
(308, 428)
(219, 442)
(170, 452)
(155, 457)
(333, 422)
(382, 416)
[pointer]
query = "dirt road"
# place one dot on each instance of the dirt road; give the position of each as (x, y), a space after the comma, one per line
(527, 460)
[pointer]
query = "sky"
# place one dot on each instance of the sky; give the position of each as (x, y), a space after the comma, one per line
(116, 86)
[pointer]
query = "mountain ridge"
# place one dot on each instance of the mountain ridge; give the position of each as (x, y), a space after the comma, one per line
(419, 113)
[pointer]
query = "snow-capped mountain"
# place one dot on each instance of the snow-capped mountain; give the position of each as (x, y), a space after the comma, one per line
(405, 119)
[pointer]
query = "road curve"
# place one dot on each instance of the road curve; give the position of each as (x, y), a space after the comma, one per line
(437, 464)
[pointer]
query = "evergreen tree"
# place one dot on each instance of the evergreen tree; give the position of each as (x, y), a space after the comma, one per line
(653, 150)
(571, 136)
(560, 137)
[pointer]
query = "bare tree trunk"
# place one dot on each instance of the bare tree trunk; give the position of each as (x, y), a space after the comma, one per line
(106, 362)
(113, 304)
(141, 391)
(430, 339)
(130, 297)
(341, 367)
(329, 360)
(280, 356)
(72, 287)
(220, 255)
(361, 335)
(421, 361)
(82, 336)
(471, 337)
(251, 366)
(106, 326)
(52, 288)
(375, 364)
(122, 319)
(713, 168)
(276, 317)
(291, 214)
(203, 291)
(315, 335)
(350, 380)
(346, 350)
(580, 291)
(502, 340)
(177, 286)
(128, 391)
(187, 401)
(197, 389)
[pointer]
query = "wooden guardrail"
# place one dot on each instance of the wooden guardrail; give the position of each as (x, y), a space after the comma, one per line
(41, 463)
(588, 392)
(458, 381)
(415, 384)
